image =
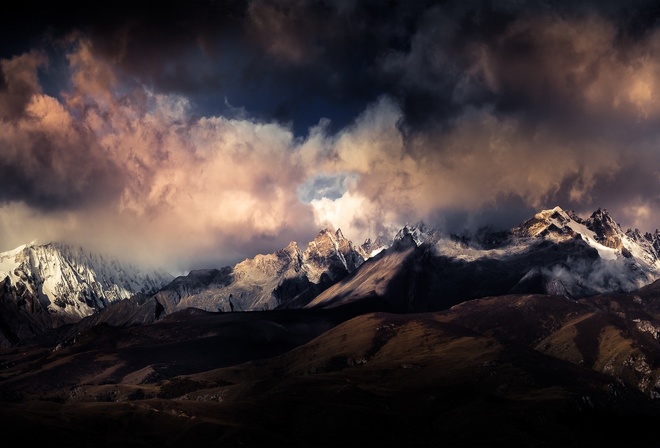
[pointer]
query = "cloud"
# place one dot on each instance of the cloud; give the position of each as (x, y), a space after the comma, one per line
(390, 176)
(49, 160)
(481, 162)
(576, 65)
(19, 83)
(466, 115)
(282, 29)
(141, 169)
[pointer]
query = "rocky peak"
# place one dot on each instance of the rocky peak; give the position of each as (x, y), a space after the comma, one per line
(419, 233)
(290, 255)
(636, 235)
(655, 241)
(571, 214)
(372, 248)
(331, 251)
(405, 230)
(324, 244)
(405, 242)
(551, 213)
(291, 249)
(603, 217)
(608, 232)
(353, 256)
(551, 221)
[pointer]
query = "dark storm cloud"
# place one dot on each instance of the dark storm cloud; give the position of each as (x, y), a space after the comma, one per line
(49, 174)
(18, 83)
(48, 161)
(328, 51)
(344, 54)
(273, 58)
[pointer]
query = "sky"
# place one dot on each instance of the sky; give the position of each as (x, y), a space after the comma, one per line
(196, 134)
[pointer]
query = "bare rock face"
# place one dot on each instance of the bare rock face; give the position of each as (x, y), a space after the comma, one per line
(288, 278)
(608, 232)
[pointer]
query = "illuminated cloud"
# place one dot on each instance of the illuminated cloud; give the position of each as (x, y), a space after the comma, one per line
(140, 162)
(466, 115)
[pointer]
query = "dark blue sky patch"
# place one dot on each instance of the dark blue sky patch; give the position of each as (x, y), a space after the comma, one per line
(324, 186)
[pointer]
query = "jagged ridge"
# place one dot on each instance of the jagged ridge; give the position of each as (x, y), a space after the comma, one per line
(289, 277)
(418, 269)
(555, 252)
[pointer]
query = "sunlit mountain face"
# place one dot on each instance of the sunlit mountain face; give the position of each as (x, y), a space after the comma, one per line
(200, 134)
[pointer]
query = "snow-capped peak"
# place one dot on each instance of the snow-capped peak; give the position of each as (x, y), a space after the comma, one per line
(72, 283)
(559, 225)
(545, 214)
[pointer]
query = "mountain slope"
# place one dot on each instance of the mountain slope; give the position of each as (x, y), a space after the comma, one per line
(516, 370)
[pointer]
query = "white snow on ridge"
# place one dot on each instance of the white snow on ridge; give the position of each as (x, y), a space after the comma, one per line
(589, 237)
(375, 252)
(73, 283)
(8, 264)
(606, 253)
(534, 231)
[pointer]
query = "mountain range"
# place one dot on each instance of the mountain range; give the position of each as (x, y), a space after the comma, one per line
(289, 276)
(418, 269)
(555, 252)
(546, 334)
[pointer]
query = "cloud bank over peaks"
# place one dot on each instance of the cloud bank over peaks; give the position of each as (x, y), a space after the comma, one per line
(473, 114)
(164, 182)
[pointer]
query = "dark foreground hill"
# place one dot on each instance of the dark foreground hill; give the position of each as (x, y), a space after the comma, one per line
(516, 370)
